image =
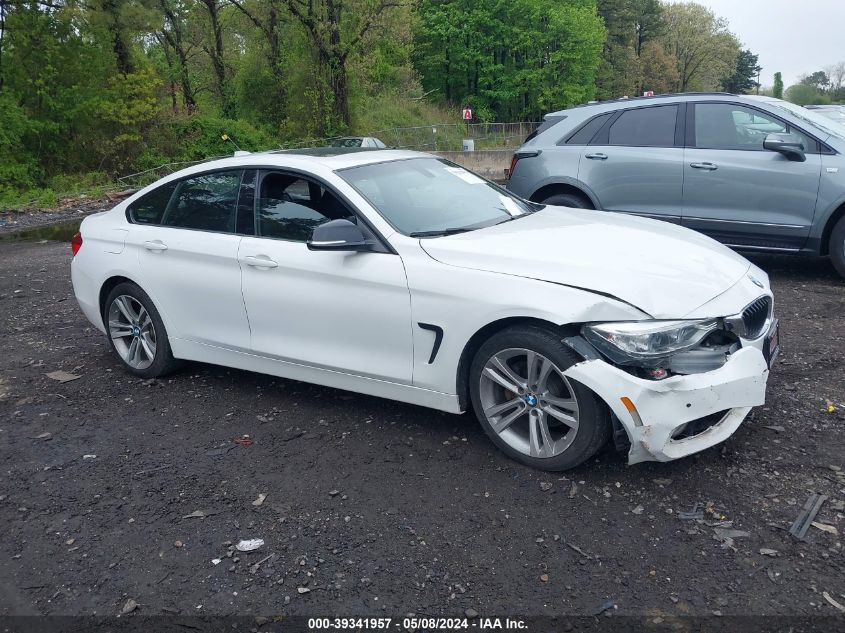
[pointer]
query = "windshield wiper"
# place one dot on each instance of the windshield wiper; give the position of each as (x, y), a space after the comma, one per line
(439, 233)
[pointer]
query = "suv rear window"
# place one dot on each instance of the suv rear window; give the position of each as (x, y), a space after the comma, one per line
(645, 127)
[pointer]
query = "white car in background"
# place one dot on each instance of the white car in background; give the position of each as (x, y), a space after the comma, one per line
(401, 275)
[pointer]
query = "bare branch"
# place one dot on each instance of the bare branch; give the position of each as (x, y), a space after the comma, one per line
(240, 7)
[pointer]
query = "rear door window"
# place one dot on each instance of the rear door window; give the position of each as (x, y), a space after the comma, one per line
(206, 203)
(645, 127)
(149, 208)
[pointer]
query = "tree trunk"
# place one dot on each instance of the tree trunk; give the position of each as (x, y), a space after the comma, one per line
(216, 54)
(120, 47)
(168, 58)
(174, 38)
(2, 34)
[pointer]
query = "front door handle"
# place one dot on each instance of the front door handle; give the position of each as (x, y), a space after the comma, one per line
(260, 261)
(155, 246)
(704, 166)
(597, 156)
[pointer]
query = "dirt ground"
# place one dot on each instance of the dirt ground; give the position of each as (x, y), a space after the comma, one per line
(115, 488)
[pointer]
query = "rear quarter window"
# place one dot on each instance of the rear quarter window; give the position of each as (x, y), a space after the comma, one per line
(149, 208)
(548, 122)
(588, 130)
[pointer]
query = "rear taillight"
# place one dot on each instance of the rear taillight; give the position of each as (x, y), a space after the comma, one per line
(76, 243)
(513, 165)
(523, 153)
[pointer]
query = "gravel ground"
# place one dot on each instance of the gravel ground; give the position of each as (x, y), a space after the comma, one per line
(115, 488)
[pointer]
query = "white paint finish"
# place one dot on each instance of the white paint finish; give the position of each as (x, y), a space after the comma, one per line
(191, 350)
(195, 280)
(462, 301)
(735, 298)
(345, 311)
(658, 267)
(349, 320)
(115, 241)
(664, 405)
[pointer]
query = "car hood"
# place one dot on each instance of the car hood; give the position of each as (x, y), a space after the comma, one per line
(663, 269)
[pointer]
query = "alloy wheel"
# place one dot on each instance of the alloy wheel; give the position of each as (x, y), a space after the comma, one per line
(132, 331)
(529, 403)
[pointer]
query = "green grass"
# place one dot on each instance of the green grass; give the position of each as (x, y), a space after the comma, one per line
(92, 185)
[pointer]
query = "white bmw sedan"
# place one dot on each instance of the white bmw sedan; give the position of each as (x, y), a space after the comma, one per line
(401, 275)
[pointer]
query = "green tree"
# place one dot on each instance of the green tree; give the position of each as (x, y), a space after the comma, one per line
(701, 42)
(509, 59)
(806, 94)
(658, 69)
(648, 22)
(743, 79)
(215, 51)
(630, 62)
(777, 89)
(336, 30)
(818, 80)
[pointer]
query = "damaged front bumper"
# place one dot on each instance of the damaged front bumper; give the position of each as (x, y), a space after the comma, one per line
(663, 418)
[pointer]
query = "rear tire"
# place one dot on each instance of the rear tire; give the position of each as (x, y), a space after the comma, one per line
(568, 200)
(136, 332)
(542, 418)
(836, 247)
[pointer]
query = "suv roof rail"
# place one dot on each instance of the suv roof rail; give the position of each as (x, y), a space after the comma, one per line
(656, 96)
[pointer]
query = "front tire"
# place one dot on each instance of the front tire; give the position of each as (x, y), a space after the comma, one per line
(836, 247)
(528, 408)
(136, 332)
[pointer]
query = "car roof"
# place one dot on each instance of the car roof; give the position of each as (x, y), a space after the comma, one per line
(313, 158)
(617, 104)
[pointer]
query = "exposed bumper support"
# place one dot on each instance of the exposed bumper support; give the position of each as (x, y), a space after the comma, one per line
(661, 407)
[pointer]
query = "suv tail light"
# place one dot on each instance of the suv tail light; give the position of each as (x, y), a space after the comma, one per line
(520, 155)
(513, 165)
(76, 243)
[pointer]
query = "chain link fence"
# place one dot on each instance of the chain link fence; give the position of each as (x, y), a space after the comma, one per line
(444, 137)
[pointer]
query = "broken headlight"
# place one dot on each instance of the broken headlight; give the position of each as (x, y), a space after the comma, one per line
(646, 343)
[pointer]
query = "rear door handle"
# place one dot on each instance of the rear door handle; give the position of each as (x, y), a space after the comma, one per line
(259, 261)
(156, 246)
(705, 166)
(598, 156)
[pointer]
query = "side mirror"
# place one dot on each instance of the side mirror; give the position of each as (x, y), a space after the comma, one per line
(338, 235)
(789, 145)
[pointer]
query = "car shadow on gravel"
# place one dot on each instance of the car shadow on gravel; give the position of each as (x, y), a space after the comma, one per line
(796, 268)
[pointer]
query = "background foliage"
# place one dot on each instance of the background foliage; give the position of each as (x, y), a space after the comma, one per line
(93, 89)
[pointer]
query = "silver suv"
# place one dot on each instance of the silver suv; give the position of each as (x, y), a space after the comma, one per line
(756, 173)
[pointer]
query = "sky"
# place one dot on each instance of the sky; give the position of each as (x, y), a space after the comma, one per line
(792, 37)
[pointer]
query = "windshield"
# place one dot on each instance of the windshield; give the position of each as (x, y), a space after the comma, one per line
(813, 118)
(428, 197)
